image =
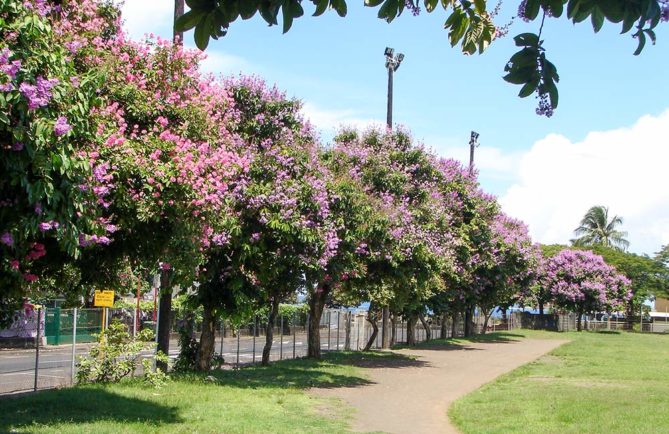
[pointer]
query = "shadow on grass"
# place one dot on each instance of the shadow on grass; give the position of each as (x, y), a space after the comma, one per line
(608, 332)
(461, 343)
(81, 405)
(307, 373)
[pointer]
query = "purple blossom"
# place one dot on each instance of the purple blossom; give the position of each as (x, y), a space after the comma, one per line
(38, 95)
(7, 239)
(18, 146)
(61, 127)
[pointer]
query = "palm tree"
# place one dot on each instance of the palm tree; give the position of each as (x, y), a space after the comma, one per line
(597, 229)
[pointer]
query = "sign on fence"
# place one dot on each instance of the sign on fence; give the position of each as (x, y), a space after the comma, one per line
(103, 299)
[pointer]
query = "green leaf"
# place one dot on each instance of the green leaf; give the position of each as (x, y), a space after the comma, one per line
(373, 3)
(201, 35)
(521, 75)
(642, 42)
(597, 19)
(189, 20)
(248, 8)
(532, 9)
(430, 5)
(389, 10)
(529, 88)
(340, 7)
(321, 7)
(527, 40)
(480, 6)
(552, 92)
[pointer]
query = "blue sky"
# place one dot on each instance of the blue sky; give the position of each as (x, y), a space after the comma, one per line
(336, 67)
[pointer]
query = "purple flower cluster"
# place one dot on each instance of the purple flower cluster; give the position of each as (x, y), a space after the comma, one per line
(582, 281)
(38, 95)
(9, 69)
(61, 127)
(7, 239)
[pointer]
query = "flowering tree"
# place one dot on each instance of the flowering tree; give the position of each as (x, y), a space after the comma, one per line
(44, 126)
(513, 269)
(410, 251)
(582, 282)
(282, 234)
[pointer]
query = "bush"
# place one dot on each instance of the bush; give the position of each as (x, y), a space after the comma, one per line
(116, 356)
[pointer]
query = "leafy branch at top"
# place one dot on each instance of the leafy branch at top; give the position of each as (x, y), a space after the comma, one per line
(468, 23)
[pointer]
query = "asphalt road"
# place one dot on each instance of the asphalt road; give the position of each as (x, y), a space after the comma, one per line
(17, 366)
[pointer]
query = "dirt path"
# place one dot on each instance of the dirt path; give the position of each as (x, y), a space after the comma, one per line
(413, 397)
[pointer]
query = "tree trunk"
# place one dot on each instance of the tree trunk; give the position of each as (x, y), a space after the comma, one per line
(444, 326)
(469, 322)
(411, 330)
(385, 332)
(316, 305)
(485, 320)
(178, 37)
(426, 326)
(269, 336)
(454, 326)
(371, 318)
(578, 321)
(205, 352)
(393, 330)
(165, 320)
(541, 308)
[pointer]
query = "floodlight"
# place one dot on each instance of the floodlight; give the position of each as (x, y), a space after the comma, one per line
(389, 52)
(400, 57)
(474, 135)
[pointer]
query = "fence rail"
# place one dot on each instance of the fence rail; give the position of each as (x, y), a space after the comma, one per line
(67, 334)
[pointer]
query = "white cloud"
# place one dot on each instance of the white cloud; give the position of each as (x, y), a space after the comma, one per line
(142, 17)
(218, 62)
(328, 121)
(624, 169)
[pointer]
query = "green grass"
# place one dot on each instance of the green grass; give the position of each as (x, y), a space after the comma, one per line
(597, 383)
(251, 400)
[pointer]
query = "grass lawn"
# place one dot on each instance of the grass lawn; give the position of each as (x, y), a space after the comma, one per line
(597, 383)
(252, 400)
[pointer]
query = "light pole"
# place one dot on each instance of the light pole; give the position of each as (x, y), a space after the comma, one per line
(473, 143)
(392, 63)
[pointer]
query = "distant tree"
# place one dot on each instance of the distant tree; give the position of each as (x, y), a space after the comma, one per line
(648, 277)
(580, 281)
(597, 229)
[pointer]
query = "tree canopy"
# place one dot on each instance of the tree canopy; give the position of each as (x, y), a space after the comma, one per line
(597, 229)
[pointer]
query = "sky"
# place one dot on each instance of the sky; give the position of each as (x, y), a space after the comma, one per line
(607, 144)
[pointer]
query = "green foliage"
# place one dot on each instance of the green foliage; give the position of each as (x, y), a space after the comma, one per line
(116, 356)
(597, 229)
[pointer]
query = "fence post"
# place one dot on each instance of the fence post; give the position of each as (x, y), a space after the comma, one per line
(281, 339)
(134, 322)
(338, 327)
(239, 329)
(329, 327)
(293, 335)
(255, 325)
(37, 342)
(222, 335)
(74, 343)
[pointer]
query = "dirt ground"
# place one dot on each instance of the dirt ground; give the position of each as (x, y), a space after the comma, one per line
(413, 395)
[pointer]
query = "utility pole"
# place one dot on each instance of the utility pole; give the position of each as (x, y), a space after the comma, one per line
(392, 63)
(473, 143)
(164, 322)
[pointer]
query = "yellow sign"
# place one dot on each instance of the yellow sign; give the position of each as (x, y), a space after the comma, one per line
(103, 299)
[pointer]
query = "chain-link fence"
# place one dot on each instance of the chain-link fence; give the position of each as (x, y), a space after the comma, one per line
(66, 334)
